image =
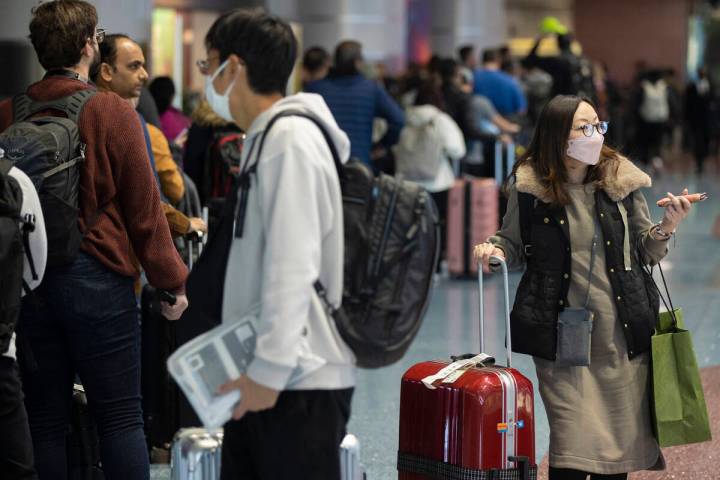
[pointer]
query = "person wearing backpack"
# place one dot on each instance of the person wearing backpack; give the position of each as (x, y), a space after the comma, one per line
(212, 158)
(571, 74)
(24, 255)
(430, 144)
(578, 220)
(288, 234)
(100, 202)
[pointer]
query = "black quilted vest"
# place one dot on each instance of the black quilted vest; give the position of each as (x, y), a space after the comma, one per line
(543, 290)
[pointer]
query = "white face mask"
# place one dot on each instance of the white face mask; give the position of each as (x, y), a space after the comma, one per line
(219, 103)
(586, 149)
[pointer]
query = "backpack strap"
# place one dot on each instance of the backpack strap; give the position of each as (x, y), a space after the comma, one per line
(244, 180)
(25, 107)
(526, 205)
(316, 121)
(5, 165)
(29, 227)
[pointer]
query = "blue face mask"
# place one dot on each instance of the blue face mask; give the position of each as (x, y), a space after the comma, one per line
(219, 103)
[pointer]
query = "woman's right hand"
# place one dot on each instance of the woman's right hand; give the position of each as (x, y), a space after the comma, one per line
(484, 251)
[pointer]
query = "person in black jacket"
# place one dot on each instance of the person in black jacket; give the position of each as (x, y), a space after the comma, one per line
(699, 100)
(578, 220)
(572, 74)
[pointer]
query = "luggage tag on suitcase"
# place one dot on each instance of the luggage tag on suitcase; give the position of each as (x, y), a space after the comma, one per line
(455, 370)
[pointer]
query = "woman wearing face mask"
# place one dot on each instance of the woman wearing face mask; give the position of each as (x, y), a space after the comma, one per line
(577, 219)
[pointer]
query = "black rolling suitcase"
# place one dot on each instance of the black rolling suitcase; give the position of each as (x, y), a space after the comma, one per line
(83, 442)
(160, 395)
(165, 409)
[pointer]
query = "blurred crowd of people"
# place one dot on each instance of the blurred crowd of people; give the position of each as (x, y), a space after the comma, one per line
(495, 95)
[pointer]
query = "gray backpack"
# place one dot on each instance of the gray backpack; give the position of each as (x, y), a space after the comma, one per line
(48, 149)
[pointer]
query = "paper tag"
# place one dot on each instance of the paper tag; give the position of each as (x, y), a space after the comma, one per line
(453, 377)
(453, 367)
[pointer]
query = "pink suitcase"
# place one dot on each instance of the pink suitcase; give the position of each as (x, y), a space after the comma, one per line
(473, 215)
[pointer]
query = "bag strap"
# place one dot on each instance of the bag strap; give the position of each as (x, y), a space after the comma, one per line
(317, 122)
(666, 300)
(25, 107)
(5, 165)
(593, 255)
(27, 229)
(244, 179)
(526, 205)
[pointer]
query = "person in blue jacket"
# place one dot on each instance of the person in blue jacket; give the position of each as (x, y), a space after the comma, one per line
(355, 101)
(500, 88)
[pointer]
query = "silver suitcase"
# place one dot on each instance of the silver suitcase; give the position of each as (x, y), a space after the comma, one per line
(350, 468)
(196, 454)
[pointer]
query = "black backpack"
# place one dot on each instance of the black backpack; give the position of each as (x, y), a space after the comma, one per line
(48, 149)
(11, 254)
(391, 251)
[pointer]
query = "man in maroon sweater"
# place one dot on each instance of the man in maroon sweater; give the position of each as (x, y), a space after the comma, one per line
(85, 320)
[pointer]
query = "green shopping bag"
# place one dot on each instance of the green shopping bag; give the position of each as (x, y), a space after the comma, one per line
(679, 408)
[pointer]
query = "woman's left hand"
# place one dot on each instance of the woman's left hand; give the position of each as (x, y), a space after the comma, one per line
(675, 212)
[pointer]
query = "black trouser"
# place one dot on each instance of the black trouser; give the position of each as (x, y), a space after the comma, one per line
(568, 474)
(649, 140)
(299, 438)
(701, 145)
(16, 454)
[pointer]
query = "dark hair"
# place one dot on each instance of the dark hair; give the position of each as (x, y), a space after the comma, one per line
(490, 55)
(564, 41)
(433, 65)
(265, 43)
(546, 152)
(465, 51)
(347, 54)
(315, 58)
(59, 30)
(108, 52)
(447, 68)
(162, 90)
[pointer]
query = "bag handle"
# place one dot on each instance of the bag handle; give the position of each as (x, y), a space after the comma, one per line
(667, 303)
(508, 343)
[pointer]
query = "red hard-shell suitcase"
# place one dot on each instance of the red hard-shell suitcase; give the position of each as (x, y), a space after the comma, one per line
(473, 216)
(468, 419)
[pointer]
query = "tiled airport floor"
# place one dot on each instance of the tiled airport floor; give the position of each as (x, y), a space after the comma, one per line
(451, 327)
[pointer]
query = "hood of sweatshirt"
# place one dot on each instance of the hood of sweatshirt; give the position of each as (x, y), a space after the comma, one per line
(421, 115)
(309, 103)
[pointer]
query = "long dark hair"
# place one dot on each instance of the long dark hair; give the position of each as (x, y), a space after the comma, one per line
(546, 152)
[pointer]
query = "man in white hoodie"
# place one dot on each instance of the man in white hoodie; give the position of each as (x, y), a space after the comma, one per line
(295, 396)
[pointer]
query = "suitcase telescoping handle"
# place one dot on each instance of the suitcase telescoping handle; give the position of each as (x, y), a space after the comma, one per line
(166, 296)
(506, 289)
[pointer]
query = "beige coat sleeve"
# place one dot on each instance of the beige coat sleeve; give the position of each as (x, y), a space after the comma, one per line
(508, 238)
(640, 226)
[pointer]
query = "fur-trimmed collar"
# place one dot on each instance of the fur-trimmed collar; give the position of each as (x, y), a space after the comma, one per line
(622, 179)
